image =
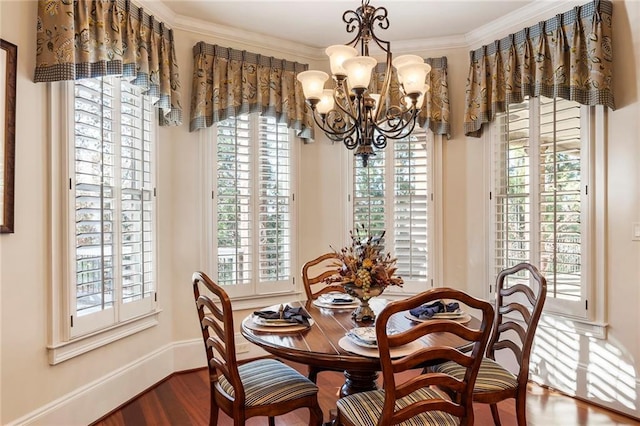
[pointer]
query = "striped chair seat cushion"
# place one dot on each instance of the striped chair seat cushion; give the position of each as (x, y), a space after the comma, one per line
(267, 381)
(491, 377)
(365, 408)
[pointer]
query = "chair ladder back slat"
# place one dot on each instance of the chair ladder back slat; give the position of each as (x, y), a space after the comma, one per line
(460, 406)
(526, 284)
(314, 273)
(516, 307)
(267, 380)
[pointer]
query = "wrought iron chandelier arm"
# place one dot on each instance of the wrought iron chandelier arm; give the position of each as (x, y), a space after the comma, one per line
(329, 123)
(398, 126)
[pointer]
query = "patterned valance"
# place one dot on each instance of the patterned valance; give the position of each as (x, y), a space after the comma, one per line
(228, 82)
(568, 56)
(435, 111)
(94, 38)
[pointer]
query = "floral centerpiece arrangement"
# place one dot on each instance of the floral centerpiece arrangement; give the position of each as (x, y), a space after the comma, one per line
(364, 270)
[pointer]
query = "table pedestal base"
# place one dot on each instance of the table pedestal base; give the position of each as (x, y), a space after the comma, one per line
(359, 381)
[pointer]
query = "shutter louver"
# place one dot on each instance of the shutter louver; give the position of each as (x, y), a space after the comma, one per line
(410, 229)
(234, 201)
(274, 208)
(513, 203)
(369, 194)
(560, 198)
(94, 195)
(538, 197)
(114, 210)
(136, 194)
(392, 193)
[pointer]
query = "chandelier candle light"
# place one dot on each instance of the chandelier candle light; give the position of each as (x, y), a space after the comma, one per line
(350, 112)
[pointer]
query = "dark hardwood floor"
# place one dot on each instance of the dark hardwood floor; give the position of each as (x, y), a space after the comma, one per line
(183, 399)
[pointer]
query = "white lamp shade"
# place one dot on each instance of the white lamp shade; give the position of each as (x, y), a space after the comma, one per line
(337, 54)
(413, 77)
(406, 59)
(359, 71)
(326, 102)
(313, 83)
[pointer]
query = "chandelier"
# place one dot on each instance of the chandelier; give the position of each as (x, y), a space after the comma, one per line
(350, 112)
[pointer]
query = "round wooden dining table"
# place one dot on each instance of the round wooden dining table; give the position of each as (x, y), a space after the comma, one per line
(318, 346)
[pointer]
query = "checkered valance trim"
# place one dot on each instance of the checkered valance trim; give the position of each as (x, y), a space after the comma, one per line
(229, 82)
(89, 39)
(569, 56)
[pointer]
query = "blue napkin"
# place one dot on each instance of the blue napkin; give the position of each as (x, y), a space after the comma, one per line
(427, 311)
(289, 314)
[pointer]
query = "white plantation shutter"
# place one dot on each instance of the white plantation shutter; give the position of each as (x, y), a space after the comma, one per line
(112, 191)
(253, 205)
(540, 196)
(560, 186)
(411, 206)
(234, 237)
(393, 194)
(274, 180)
(369, 193)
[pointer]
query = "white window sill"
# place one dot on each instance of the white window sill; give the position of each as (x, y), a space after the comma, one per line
(579, 326)
(62, 351)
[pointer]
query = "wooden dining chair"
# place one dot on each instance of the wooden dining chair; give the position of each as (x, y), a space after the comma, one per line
(315, 271)
(519, 301)
(264, 387)
(427, 398)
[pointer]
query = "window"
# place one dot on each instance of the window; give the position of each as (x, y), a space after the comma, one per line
(112, 242)
(252, 212)
(540, 196)
(394, 193)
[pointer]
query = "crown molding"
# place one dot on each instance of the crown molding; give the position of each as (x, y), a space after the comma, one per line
(230, 34)
(449, 42)
(510, 23)
(236, 35)
(517, 20)
(158, 10)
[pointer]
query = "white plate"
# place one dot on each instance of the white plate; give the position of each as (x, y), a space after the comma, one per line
(347, 344)
(328, 298)
(250, 324)
(321, 304)
(465, 318)
(272, 322)
(359, 342)
(365, 334)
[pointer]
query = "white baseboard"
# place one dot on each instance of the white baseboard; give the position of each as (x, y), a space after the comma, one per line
(93, 400)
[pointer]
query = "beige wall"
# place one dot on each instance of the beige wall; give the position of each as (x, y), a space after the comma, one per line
(29, 385)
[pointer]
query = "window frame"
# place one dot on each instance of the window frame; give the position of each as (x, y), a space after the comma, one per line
(62, 343)
(587, 313)
(434, 207)
(251, 295)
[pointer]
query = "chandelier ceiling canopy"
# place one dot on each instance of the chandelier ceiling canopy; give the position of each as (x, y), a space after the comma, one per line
(352, 113)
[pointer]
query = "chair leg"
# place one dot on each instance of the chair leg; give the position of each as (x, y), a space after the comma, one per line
(315, 416)
(213, 416)
(313, 374)
(213, 407)
(521, 410)
(494, 413)
(272, 421)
